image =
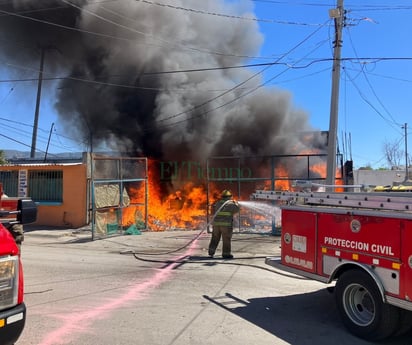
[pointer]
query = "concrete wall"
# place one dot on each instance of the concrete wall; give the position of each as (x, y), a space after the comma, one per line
(378, 177)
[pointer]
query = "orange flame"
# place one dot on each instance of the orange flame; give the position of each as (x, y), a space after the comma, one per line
(186, 207)
(182, 208)
(282, 183)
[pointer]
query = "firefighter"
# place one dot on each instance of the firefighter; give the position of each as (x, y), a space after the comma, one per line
(223, 211)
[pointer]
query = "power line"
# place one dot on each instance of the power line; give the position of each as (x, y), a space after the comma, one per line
(102, 35)
(287, 2)
(384, 76)
(234, 88)
(7, 95)
(357, 6)
(43, 139)
(392, 7)
(290, 65)
(363, 97)
(191, 10)
(369, 83)
(14, 140)
(22, 143)
(166, 42)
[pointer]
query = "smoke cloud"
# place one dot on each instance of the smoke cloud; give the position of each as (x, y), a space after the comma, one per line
(119, 91)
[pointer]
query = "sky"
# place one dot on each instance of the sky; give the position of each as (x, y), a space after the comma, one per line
(285, 47)
(375, 83)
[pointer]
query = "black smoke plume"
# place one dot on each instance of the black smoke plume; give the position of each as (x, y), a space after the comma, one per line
(152, 79)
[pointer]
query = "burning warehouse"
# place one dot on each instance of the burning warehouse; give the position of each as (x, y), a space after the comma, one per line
(160, 82)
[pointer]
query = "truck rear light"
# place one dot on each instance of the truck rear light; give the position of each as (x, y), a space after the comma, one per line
(9, 281)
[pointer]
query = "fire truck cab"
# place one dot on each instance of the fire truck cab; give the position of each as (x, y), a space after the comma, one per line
(12, 308)
(361, 241)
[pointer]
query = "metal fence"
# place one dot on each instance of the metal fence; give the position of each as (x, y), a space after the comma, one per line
(119, 189)
(244, 175)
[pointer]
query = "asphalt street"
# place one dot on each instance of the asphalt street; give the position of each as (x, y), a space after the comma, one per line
(161, 288)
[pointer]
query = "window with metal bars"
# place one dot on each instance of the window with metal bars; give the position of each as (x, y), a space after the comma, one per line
(10, 180)
(46, 186)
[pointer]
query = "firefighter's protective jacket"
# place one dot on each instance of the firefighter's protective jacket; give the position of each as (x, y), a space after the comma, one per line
(224, 215)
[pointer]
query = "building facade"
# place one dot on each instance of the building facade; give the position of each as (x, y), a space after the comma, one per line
(60, 191)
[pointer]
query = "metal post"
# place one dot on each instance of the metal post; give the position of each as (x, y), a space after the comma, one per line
(48, 143)
(406, 153)
(36, 114)
(338, 15)
(146, 194)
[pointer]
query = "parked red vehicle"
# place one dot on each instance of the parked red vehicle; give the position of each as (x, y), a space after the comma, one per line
(12, 308)
(361, 241)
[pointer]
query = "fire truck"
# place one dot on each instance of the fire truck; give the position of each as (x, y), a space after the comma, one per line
(359, 241)
(13, 211)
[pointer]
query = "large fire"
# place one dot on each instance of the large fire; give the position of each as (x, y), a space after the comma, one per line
(183, 208)
(186, 207)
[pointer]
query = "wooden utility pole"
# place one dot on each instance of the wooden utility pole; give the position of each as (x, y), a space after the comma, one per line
(36, 114)
(338, 15)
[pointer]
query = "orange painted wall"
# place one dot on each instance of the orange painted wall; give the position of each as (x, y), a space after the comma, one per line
(72, 212)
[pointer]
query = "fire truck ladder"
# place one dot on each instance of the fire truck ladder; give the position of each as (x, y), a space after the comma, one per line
(377, 201)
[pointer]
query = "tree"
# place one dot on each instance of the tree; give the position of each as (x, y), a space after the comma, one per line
(366, 167)
(3, 160)
(393, 154)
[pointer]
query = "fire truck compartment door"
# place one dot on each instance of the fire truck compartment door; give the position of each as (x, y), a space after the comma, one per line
(406, 268)
(299, 239)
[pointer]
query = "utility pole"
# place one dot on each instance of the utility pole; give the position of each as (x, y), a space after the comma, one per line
(338, 15)
(36, 114)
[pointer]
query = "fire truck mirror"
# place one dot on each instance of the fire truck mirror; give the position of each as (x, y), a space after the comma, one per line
(27, 211)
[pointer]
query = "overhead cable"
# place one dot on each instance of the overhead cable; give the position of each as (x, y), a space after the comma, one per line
(225, 15)
(370, 85)
(232, 89)
(164, 41)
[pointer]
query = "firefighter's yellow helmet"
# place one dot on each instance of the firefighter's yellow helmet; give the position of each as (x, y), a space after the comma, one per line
(226, 194)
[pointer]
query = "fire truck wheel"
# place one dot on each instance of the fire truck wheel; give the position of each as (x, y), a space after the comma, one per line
(361, 307)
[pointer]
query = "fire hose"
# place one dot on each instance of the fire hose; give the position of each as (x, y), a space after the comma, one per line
(182, 247)
(137, 257)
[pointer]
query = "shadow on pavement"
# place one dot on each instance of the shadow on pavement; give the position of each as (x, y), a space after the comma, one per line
(302, 319)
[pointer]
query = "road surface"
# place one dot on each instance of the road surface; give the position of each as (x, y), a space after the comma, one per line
(170, 292)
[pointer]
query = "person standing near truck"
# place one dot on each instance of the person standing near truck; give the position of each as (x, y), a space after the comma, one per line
(15, 228)
(223, 211)
(17, 232)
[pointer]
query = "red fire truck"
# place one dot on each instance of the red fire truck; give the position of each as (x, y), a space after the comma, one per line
(13, 211)
(361, 241)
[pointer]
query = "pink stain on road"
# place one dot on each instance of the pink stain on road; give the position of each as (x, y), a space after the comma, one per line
(80, 322)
